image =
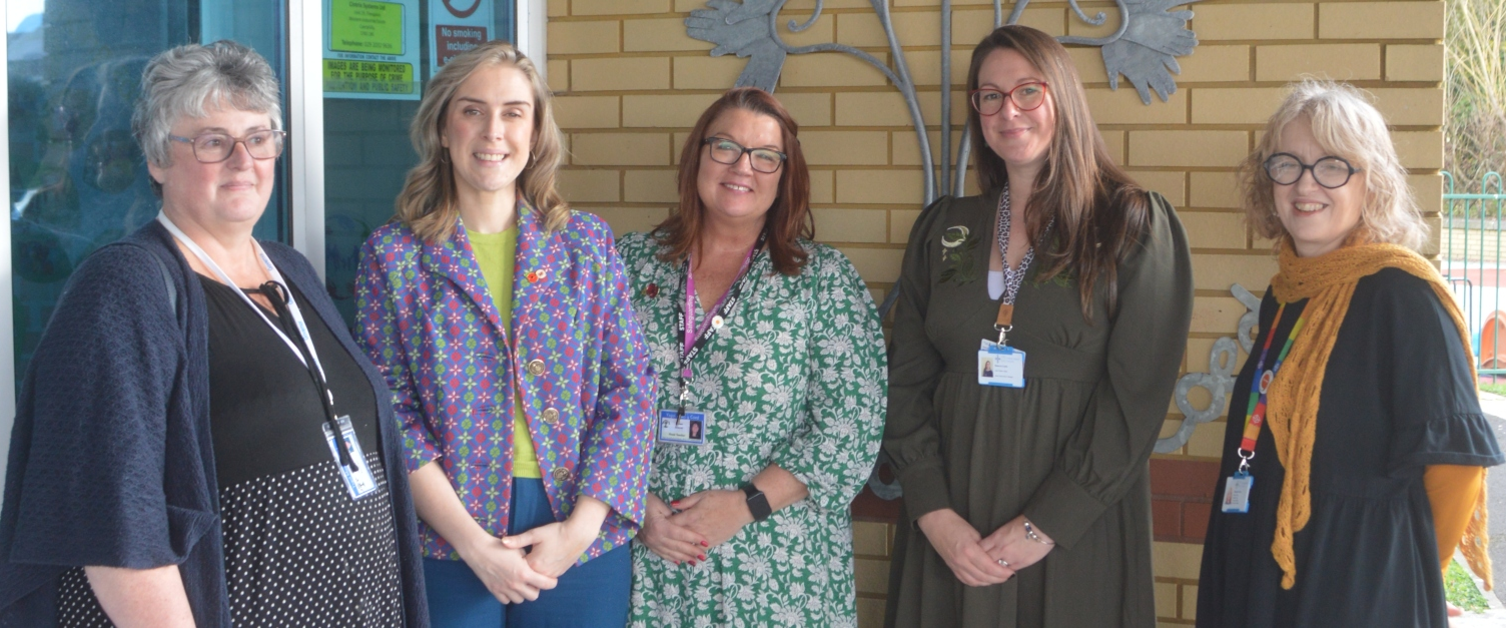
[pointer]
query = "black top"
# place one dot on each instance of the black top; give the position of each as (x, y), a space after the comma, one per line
(1397, 396)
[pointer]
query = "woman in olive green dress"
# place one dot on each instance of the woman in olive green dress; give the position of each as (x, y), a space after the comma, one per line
(1026, 489)
(747, 522)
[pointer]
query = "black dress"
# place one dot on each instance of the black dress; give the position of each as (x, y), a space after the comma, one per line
(1397, 396)
(298, 550)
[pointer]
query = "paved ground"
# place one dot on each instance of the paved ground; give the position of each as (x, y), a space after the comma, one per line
(1495, 408)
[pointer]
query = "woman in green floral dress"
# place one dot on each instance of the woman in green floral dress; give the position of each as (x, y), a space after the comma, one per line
(755, 466)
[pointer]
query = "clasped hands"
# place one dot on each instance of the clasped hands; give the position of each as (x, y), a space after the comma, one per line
(975, 559)
(704, 520)
(515, 568)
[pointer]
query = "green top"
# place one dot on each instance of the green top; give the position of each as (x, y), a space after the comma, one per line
(496, 255)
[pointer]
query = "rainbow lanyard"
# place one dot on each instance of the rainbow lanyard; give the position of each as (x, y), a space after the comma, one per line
(1256, 409)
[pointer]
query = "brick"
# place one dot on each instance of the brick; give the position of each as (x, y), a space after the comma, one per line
(1166, 598)
(875, 265)
(1123, 106)
(557, 74)
(678, 111)
(1195, 522)
(1219, 272)
(970, 26)
(1214, 230)
(870, 612)
(870, 538)
(1187, 148)
(901, 221)
(1172, 185)
(677, 145)
(586, 112)
(651, 186)
(911, 28)
(925, 67)
(1410, 106)
(1116, 144)
(823, 188)
(851, 225)
(558, 8)
(1256, 21)
(1235, 105)
(621, 149)
(1182, 479)
(1341, 62)
(823, 31)
(830, 70)
(1213, 189)
(886, 108)
(1414, 62)
(1208, 439)
(1078, 28)
(808, 109)
(1189, 600)
(1177, 560)
(625, 220)
(590, 186)
(1380, 20)
(1166, 517)
(566, 38)
(824, 148)
(930, 106)
(619, 7)
(1419, 149)
(658, 35)
(1216, 315)
(707, 72)
(619, 73)
(879, 186)
(1089, 64)
(1428, 190)
(907, 148)
(1215, 64)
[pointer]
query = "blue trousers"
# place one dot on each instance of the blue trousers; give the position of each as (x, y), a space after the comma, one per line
(587, 596)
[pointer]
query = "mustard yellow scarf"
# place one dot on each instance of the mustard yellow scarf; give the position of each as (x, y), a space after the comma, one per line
(1328, 281)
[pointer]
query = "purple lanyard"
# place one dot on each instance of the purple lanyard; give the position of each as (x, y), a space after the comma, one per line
(693, 340)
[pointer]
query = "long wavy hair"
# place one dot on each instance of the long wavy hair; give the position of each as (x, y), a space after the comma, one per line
(790, 217)
(428, 203)
(1100, 212)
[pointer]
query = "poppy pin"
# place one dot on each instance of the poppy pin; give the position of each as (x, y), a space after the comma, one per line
(651, 291)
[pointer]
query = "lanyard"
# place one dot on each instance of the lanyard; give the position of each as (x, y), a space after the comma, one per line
(303, 349)
(1004, 322)
(1257, 407)
(695, 340)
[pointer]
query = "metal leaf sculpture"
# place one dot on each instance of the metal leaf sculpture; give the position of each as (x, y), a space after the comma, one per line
(1147, 52)
(739, 28)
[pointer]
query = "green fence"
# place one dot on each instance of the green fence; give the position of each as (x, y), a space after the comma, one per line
(1470, 258)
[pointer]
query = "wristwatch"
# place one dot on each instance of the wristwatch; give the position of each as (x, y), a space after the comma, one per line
(757, 503)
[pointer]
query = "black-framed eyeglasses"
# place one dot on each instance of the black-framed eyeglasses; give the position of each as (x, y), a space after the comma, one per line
(1330, 172)
(1026, 96)
(725, 151)
(213, 148)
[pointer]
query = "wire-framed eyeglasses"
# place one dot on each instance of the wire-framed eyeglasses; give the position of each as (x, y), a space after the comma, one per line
(1330, 172)
(1026, 96)
(213, 148)
(725, 151)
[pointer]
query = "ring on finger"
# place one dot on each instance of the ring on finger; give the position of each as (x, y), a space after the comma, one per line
(1002, 562)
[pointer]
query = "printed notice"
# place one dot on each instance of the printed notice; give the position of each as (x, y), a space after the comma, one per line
(371, 49)
(459, 25)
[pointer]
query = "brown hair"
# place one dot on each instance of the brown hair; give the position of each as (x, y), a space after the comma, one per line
(1100, 211)
(790, 217)
(428, 204)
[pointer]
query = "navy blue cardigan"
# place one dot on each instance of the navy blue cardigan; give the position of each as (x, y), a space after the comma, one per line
(111, 460)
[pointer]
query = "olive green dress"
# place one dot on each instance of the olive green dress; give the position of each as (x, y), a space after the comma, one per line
(1069, 450)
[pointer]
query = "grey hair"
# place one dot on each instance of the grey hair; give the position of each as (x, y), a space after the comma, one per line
(1346, 124)
(189, 79)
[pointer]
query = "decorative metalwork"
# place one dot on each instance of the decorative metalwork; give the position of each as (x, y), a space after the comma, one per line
(1223, 364)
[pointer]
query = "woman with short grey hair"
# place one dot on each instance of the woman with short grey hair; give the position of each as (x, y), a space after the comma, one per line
(198, 440)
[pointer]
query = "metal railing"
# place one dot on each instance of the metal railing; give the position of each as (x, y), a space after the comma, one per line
(1470, 259)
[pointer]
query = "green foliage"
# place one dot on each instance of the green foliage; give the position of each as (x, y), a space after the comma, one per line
(1494, 388)
(1474, 127)
(1461, 591)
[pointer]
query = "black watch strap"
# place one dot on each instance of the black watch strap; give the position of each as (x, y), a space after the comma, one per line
(757, 503)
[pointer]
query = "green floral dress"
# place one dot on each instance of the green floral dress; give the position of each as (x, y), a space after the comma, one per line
(798, 378)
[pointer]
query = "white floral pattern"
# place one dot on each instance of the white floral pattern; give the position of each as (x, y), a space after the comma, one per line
(796, 377)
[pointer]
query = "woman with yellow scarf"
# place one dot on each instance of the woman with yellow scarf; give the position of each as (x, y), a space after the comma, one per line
(1355, 450)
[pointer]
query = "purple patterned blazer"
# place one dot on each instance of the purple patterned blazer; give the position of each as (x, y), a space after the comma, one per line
(575, 354)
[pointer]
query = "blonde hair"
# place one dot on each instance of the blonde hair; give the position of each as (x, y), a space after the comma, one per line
(1347, 125)
(428, 203)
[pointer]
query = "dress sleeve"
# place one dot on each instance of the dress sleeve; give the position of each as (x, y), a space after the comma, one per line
(1435, 409)
(911, 437)
(1148, 336)
(88, 451)
(832, 452)
(381, 317)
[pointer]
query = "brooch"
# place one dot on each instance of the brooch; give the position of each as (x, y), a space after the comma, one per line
(957, 245)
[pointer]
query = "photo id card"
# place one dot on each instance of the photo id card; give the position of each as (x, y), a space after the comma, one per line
(683, 429)
(359, 482)
(1001, 365)
(1237, 492)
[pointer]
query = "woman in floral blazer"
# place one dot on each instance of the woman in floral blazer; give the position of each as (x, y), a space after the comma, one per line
(501, 322)
(769, 426)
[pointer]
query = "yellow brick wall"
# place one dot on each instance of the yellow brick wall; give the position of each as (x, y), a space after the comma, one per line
(630, 83)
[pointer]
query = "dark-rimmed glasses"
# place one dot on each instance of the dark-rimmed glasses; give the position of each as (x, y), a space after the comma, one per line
(1329, 172)
(213, 148)
(725, 151)
(1026, 96)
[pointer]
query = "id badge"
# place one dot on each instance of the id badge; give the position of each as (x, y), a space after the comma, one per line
(1237, 492)
(683, 429)
(359, 482)
(1001, 365)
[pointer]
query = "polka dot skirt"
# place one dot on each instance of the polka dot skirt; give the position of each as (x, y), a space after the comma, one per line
(298, 552)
